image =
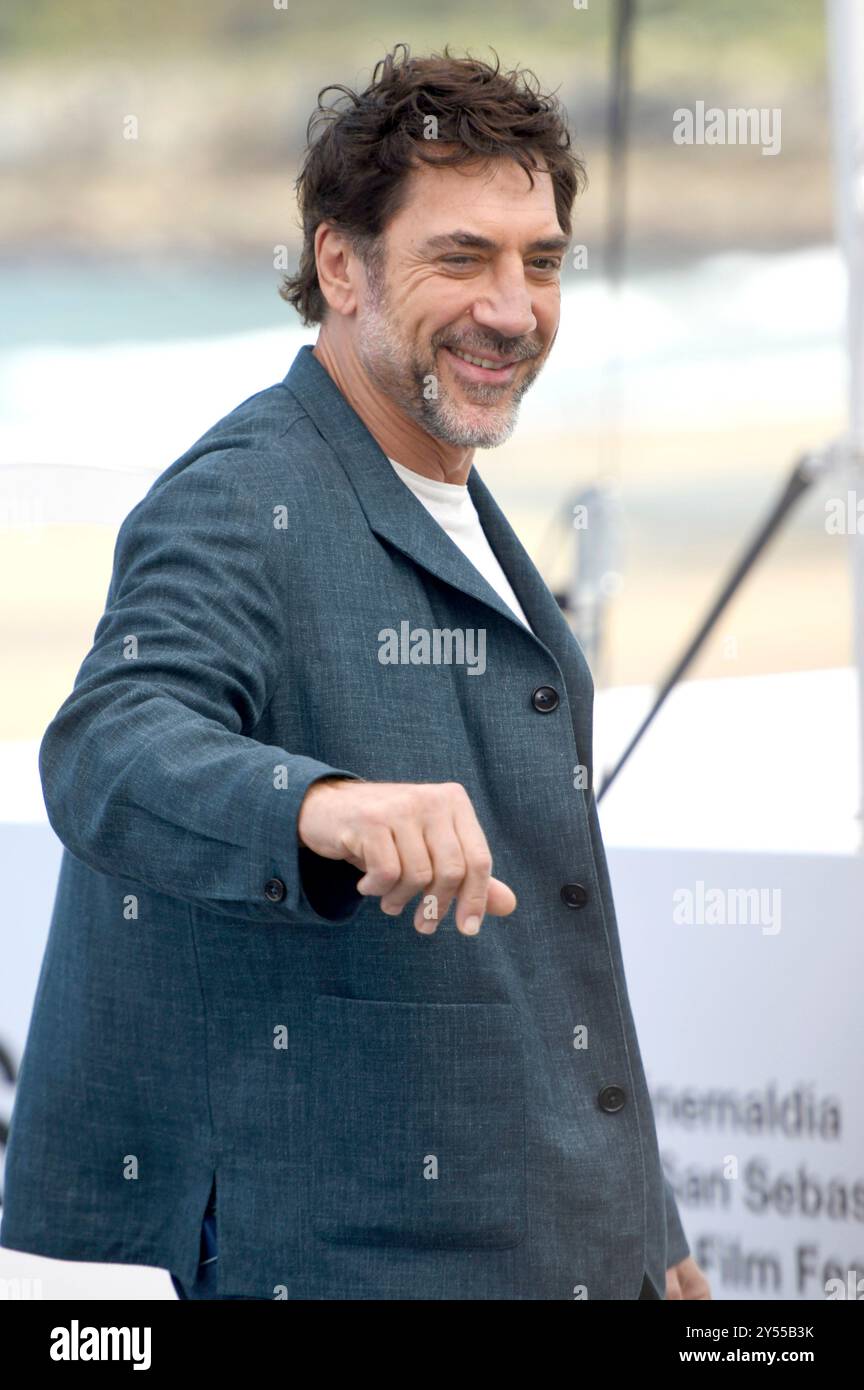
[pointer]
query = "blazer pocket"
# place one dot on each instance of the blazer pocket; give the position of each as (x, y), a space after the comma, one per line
(417, 1124)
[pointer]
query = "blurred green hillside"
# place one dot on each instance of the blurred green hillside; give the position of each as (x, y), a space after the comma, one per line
(221, 92)
(737, 37)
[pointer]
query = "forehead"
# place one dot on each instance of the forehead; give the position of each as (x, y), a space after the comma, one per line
(495, 199)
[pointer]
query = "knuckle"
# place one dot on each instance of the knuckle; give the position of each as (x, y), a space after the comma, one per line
(451, 874)
(387, 875)
(420, 875)
(349, 842)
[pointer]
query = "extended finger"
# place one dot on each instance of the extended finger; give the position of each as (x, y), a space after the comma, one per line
(448, 871)
(474, 890)
(383, 866)
(416, 867)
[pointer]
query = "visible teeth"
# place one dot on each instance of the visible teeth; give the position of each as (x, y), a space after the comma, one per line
(478, 361)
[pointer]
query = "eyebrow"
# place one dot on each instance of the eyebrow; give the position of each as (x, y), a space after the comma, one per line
(447, 240)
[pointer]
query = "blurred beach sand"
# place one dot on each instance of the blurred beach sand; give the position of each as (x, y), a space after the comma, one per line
(794, 613)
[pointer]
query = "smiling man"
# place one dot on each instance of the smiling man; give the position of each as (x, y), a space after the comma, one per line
(294, 1038)
(455, 377)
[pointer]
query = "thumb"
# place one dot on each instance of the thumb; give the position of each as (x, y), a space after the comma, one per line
(501, 900)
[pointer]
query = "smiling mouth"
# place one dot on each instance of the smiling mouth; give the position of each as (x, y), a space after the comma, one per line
(471, 368)
(492, 364)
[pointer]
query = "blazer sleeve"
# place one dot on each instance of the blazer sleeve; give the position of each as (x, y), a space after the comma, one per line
(149, 770)
(677, 1248)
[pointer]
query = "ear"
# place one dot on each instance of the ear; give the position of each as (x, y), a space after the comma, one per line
(338, 270)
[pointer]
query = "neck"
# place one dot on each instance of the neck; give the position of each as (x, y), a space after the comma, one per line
(400, 437)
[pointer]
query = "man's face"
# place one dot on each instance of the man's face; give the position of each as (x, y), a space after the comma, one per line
(471, 264)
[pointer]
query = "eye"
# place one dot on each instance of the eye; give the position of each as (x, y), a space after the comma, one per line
(548, 263)
(459, 260)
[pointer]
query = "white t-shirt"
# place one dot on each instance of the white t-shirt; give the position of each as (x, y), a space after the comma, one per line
(451, 506)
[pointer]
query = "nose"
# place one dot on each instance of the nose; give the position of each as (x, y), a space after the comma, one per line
(505, 306)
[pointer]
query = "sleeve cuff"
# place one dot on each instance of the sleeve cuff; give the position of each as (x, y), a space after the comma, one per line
(314, 888)
(677, 1247)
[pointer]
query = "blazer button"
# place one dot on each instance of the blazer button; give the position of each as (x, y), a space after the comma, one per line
(545, 699)
(574, 895)
(612, 1098)
(274, 889)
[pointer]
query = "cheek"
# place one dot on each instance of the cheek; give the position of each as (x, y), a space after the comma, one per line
(547, 311)
(438, 305)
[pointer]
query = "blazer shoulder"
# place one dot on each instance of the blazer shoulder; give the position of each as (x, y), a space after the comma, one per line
(268, 443)
(227, 494)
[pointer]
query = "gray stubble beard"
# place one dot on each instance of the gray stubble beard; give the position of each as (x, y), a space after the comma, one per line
(408, 382)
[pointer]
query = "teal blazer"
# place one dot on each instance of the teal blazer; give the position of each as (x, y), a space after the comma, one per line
(384, 1114)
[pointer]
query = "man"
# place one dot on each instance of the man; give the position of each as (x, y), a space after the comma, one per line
(328, 693)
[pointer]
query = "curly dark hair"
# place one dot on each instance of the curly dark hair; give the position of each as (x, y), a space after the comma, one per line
(359, 152)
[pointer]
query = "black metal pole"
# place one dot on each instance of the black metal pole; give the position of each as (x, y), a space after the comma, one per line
(798, 482)
(618, 133)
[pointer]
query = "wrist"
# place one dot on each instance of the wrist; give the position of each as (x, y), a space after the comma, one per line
(314, 792)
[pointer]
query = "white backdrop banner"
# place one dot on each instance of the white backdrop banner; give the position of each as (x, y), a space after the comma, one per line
(745, 976)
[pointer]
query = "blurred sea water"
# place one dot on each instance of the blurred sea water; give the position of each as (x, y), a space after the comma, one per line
(694, 390)
(121, 370)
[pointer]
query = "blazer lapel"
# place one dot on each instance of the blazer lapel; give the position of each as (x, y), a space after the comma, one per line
(540, 605)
